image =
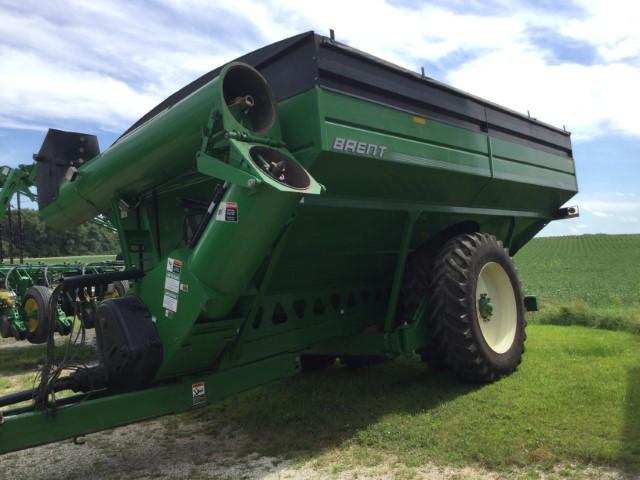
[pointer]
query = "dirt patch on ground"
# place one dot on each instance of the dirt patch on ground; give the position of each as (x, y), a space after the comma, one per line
(169, 449)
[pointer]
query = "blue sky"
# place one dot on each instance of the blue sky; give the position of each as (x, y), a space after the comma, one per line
(97, 66)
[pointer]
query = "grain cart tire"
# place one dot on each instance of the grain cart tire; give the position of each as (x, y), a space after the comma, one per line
(477, 301)
(417, 285)
(309, 363)
(35, 305)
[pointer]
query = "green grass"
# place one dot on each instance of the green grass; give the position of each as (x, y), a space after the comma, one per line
(591, 280)
(576, 398)
(18, 365)
(26, 357)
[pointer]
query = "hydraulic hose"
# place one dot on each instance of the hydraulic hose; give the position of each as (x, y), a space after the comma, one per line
(80, 381)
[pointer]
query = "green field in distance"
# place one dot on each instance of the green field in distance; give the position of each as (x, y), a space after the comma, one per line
(589, 279)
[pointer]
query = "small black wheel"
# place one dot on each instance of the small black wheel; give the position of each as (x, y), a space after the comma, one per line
(5, 327)
(67, 304)
(18, 334)
(309, 363)
(35, 308)
(478, 308)
(361, 361)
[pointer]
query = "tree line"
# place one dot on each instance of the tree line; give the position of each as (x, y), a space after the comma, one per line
(39, 240)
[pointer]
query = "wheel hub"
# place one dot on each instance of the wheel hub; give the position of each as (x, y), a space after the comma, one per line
(31, 314)
(496, 307)
(485, 307)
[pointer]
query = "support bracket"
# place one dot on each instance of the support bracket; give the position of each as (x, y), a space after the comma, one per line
(405, 244)
(213, 167)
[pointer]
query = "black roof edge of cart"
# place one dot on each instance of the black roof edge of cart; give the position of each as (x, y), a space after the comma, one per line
(297, 64)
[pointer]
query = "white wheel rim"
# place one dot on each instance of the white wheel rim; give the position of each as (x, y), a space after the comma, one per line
(499, 328)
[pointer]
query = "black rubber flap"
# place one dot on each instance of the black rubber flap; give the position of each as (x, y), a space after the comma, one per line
(59, 151)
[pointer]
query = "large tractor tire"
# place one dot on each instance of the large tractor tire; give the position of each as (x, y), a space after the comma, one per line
(35, 305)
(477, 308)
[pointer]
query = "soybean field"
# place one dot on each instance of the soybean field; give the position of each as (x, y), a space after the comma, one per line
(593, 280)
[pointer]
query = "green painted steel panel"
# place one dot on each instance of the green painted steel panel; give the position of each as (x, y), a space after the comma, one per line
(406, 151)
(523, 154)
(91, 415)
(529, 174)
(342, 109)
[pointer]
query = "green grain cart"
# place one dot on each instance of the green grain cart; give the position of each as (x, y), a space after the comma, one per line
(305, 203)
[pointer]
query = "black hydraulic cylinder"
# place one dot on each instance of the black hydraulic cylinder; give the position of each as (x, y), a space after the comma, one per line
(17, 397)
(77, 281)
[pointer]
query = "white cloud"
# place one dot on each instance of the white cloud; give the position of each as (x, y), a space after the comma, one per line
(63, 92)
(589, 100)
(611, 26)
(608, 207)
(93, 61)
(509, 68)
(96, 63)
(69, 62)
(12, 123)
(600, 212)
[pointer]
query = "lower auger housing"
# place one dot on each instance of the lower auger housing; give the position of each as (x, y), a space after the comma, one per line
(305, 203)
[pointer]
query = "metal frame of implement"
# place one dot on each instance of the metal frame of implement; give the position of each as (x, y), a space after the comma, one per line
(16, 280)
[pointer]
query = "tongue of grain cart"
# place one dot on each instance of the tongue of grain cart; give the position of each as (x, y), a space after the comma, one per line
(306, 202)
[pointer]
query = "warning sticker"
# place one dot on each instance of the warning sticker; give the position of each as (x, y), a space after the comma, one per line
(172, 286)
(170, 301)
(172, 282)
(198, 393)
(174, 265)
(227, 212)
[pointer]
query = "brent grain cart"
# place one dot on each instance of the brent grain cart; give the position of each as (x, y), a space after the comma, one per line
(306, 202)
